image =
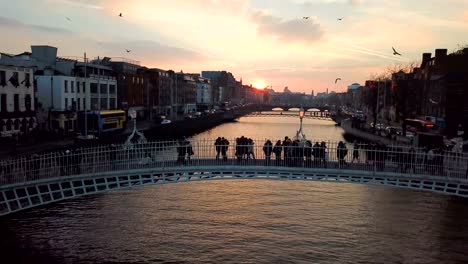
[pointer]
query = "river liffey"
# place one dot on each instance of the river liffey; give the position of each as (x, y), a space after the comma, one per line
(245, 221)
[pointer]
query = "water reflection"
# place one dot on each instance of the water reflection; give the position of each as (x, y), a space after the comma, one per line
(275, 128)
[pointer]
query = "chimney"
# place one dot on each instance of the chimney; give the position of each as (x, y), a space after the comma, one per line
(439, 53)
(426, 57)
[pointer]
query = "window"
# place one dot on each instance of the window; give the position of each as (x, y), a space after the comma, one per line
(16, 102)
(72, 86)
(27, 102)
(84, 104)
(94, 88)
(77, 87)
(65, 84)
(94, 104)
(103, 88)
(66, 103)
(78, 103)
(103, 103)
(8, 125)
(3, 103)
(112, 89)
(16, 124)
(14, 79)
(26, 81)
(112, 103)
(73, 104)
(84, 87)
(2, 78)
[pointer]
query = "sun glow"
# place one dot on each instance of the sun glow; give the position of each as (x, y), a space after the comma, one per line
(260, 84)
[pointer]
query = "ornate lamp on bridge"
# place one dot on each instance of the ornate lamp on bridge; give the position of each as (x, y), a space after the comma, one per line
(300, 134)
(136, 136)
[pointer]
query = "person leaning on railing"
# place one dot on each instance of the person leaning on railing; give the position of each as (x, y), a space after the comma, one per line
(267, 150)
(277, 150)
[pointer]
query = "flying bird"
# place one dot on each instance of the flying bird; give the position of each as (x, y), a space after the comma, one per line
(395, 52)
(68, 18)
(341, 18)
(128, 51)
(305, 17)
(337, 79)
(120, 15)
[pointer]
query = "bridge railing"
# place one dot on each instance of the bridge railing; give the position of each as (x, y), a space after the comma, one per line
(399, 160)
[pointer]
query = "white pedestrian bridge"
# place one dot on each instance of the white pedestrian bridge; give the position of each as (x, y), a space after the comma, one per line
(36, 180)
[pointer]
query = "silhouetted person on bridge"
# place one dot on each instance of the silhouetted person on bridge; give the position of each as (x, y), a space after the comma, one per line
(355, 152)
(267, 150)
(298, 153)
(189, 150)
(323, 153)
(277, 150)
(218, 147)
(224, 148)
(287, 151)
(341, 153)
(316, 154)
(181, 152)
(250, 149)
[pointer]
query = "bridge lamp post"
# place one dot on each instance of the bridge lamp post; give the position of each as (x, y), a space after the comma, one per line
(300, 133)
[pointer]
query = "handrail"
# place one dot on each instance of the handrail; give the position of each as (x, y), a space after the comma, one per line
(399, 160)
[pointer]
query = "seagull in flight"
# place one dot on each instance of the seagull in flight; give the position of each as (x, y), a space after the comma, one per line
(128, 51)
(305, 17)
(337, 79)
(120, 15)
(68, 18)
(395, 52)
(340, 18)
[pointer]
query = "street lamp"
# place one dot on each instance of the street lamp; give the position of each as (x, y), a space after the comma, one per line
(300, 134)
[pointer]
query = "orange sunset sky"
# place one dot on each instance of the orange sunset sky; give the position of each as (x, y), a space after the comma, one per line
(261, 41)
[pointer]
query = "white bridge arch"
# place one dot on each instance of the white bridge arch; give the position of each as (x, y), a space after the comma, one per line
(61, 176)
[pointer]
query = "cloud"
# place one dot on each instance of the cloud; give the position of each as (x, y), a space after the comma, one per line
(465, 16)
(152, 53)
(295, 30)
(90, 4)
(16, 24)
(356, 2)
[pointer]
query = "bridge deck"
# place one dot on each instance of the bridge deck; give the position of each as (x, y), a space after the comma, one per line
(164, 154)
(34, 181)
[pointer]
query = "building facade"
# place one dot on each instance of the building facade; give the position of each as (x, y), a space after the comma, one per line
(131, 87)
(17, 115)
(204, 94)
(158, 85)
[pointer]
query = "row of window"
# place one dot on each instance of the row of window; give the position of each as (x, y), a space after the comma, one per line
(93, 87)
(16, 102)
(10, 125)
(14, 79)
(102, 88)
(96, 104)
(136, 80)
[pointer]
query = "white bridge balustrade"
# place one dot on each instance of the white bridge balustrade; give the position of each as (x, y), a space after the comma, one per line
(308, 115)
(27, 182)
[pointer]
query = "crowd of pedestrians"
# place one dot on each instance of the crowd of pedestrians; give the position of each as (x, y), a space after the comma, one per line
(287, 152)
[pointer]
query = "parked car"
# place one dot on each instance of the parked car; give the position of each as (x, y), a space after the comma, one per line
(379, 126)
(166, 121)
